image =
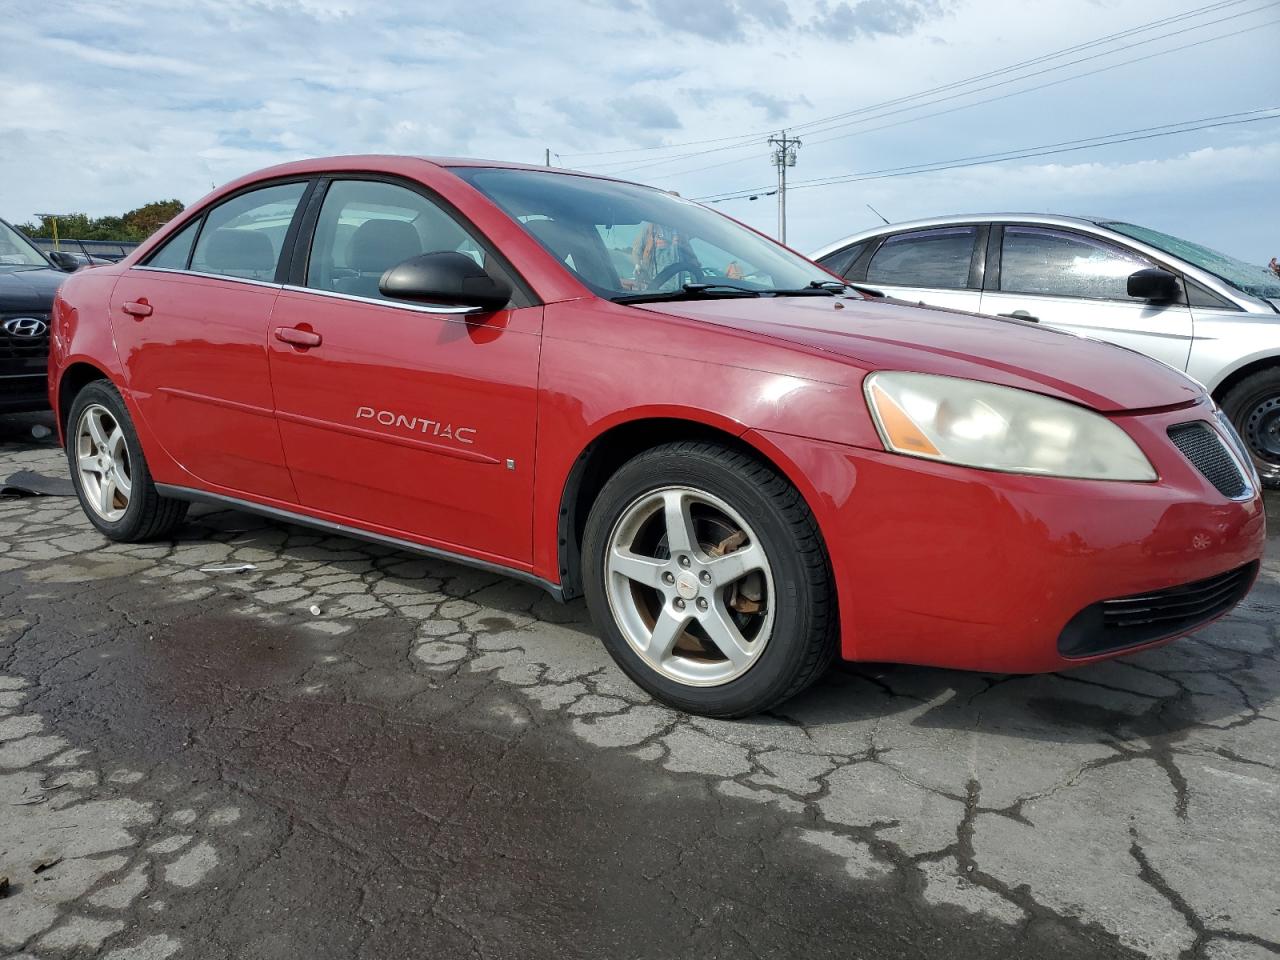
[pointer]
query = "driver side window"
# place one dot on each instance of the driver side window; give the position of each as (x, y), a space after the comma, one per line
(367, 226)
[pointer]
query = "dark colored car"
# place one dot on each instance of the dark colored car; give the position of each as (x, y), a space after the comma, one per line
(28, 281)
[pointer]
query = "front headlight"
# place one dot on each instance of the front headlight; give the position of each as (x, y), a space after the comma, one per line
(976, 424)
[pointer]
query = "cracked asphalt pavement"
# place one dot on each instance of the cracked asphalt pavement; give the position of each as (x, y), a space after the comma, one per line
(445, 763)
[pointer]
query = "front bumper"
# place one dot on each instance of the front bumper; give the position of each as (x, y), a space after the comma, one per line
(955, 567)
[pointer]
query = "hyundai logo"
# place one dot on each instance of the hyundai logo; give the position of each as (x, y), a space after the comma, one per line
(25, 327)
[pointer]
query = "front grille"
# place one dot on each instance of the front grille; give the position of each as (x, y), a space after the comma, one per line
(1147, 617)
(22, 348)
(1202, 445)
(23, 388)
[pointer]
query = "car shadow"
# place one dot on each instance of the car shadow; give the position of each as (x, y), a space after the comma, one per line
(1217, 677)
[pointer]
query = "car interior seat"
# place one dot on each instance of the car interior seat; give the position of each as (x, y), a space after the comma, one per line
(376, 246)
(589, 261)
(240, 253)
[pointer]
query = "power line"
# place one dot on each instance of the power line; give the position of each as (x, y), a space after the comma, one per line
(1042, 150)
(998, 97)
(754, 137)
(992, 99)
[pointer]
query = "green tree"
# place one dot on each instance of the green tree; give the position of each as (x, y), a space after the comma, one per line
(134, 226)
(150, 217)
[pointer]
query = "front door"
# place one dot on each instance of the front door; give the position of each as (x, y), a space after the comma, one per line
(191, 329)
(1079, 283)
(415, 421)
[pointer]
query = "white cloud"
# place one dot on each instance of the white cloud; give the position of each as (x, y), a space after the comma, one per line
(130, 100)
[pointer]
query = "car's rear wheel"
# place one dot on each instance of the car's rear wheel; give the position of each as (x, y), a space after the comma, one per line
(707, 576)
(110, 473)
(1253, 406)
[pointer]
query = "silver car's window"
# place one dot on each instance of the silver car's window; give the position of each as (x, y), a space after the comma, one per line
(1058, 264)
(1249, 277)
(243, 236)
(366, 227)
(938, 259)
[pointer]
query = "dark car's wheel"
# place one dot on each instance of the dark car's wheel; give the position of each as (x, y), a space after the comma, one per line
(109, 472)
(1253, 405)
(707, 576)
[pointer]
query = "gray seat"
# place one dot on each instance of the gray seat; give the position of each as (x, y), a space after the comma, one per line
(590, 260)
(376, 246)
(240, 253)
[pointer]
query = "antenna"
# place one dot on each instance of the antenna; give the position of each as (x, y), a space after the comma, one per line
(878, 214)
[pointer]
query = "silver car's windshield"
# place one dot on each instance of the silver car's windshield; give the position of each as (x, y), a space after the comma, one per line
(628, 242)
(16, 251)
(1251, 278)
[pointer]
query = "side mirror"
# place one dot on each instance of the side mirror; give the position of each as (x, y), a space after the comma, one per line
(64, 261)
(1154, 284)
(447, 278)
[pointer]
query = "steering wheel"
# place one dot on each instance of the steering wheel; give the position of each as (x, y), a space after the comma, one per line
(671, 269)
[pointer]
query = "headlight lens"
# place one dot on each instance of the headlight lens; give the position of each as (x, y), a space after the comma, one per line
(976, 424)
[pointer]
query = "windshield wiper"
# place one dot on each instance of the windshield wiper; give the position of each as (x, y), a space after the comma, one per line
(691, 291)
(830, 288)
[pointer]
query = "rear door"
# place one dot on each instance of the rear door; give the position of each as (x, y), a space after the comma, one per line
(412, 420)
(1079, 283)
(939, 266)
(191, 330)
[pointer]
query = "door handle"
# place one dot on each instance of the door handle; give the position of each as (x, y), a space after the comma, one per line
(137, 308)
(1020, 315)
(304, 339)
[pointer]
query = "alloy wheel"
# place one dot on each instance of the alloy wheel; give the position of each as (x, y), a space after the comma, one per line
(102, 460)
(690, 586)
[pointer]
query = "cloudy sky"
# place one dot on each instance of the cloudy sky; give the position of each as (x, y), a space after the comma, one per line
(107, 105)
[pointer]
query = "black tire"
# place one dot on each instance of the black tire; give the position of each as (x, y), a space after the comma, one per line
(802, 643)
(1253, 406)
(148, 516)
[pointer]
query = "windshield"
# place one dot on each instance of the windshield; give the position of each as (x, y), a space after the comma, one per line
(625, 241)
(16, 251)
(1251, 278)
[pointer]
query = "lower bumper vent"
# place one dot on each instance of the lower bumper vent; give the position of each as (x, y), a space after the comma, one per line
(1147, 617)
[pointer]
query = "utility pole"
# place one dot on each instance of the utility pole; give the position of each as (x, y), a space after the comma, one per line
(784, 155)
(548, 156)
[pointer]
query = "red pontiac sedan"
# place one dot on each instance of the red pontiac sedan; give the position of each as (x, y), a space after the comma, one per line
(746, 466)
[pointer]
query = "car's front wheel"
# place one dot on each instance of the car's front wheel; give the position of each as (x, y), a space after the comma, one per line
(709, 580)
(109, 472)
(1253, 406)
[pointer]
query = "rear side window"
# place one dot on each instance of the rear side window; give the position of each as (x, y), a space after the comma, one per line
(938, 259)
(1056, 263)
(366, 227)
(176, 252)
(840, 261)
(244, 236)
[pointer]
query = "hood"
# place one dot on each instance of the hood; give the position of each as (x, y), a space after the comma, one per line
(891, 335)
(29, 289)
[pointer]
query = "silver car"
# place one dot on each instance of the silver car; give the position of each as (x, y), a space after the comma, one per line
(1213, 316)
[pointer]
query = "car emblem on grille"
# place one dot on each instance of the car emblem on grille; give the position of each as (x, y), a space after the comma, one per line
(25, 326)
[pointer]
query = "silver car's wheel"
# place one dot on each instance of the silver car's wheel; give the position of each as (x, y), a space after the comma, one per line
(102, 459)
(690, 586)
(1253, 406)
(1262, 434)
